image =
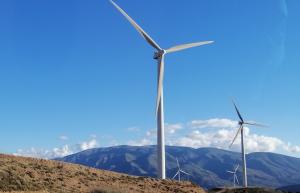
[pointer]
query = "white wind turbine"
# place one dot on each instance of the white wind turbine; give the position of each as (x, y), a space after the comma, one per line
(241, 130)
(179, 171)
(159, 56)
(235, 179)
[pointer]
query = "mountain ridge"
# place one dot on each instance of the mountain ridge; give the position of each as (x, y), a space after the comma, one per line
(207, 165)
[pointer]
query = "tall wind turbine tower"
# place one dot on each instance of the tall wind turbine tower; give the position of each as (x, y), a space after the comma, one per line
(241, 130)
(159, 55)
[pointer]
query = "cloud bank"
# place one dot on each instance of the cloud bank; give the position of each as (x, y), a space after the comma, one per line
(216, 132)
(57, 151)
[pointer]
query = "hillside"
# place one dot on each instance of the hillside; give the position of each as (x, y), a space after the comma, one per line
(244, 190)
(292, 188)
(207, 165)
(29, 175)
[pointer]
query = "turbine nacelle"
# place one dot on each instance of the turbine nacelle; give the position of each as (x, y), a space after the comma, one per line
(158, 54)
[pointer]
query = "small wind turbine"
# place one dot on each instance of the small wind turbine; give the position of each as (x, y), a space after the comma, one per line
(179, 171)
(241, 130)
(159, 55)
(235, 179)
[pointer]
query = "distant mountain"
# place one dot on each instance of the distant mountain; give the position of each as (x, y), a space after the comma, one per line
(207, 165)
(291, 188)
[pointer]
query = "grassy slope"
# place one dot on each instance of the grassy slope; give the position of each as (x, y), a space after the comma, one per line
(29, 175)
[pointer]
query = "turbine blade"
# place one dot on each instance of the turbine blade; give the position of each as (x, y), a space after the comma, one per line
(137, 27)
(238, 112)
(230, 172)
(237, 133)
(237, 167)
(175, 174)
(185, 172)
(160, 82)
(256, 124)
(178, 163)
(237, 180)
(186, 46)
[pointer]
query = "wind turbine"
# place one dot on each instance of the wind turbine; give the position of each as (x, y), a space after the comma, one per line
(235, 179)
(159, 55)
(241, 130)
(179, 171)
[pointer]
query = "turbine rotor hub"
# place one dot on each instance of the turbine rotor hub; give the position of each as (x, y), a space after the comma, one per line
(158, 54)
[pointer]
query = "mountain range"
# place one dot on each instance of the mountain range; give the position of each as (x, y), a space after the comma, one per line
(207, 166)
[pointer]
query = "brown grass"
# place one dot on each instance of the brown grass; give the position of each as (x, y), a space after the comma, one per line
(29, 175)
(41, 191)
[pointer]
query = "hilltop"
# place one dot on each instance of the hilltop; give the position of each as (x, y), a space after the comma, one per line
(30, 175)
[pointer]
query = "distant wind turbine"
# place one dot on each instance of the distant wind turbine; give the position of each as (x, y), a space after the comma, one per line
(235, 179)
(159, 55)
(241, 130)
(179, 171)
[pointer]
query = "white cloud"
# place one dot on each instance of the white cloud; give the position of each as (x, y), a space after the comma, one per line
(220, 137)
(223, 137)
(113, 143)
(293, 149)
(263, 143)
(88, 144)
(213, 123)
(173, 128)
(93, 136)
(151, 133)
(141, 142)
(169, 129)
(57, 151)
(63, 137)
(133, 129)
(60, 152)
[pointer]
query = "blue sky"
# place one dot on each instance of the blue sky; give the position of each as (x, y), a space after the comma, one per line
(72, 72)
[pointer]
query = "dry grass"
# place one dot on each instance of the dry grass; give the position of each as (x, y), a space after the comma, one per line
(29, 175)
(42, 191)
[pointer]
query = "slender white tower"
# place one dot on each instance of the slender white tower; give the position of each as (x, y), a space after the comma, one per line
(159, 56)
(161, 157)
(245, 181)
(161, 160)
